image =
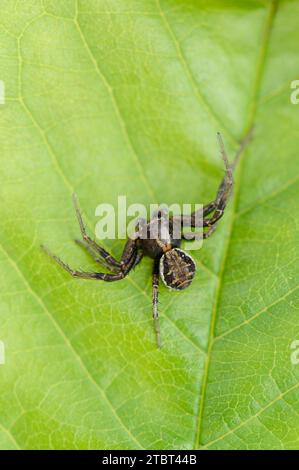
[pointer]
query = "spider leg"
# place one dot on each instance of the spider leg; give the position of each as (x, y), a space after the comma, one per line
(208, 208)
(198, 236)
(138, 258)
(155, 287)
(225, 188)
(96, 255)
(100, 250)
(101, 261)
(128, 261)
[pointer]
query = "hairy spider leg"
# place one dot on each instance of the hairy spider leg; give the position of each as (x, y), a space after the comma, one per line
(225, 188)
(130, 254)
(100, 250)
(155, 289)
(199, 236)
(95, 255)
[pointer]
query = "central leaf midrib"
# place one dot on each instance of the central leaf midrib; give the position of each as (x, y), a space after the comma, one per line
(273, 7)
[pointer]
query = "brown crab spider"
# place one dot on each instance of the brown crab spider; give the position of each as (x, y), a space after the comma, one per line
(175, 267)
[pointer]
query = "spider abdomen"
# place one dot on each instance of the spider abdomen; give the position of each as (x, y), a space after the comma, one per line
(177, 269)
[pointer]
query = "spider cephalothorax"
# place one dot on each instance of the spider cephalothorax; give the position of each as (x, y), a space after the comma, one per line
(156, 239)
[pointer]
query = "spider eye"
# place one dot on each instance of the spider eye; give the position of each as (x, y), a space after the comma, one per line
(177, 269)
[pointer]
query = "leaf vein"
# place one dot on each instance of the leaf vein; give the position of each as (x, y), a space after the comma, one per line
(68, 343)
(190, 76)
(260, 67)
(115, 106)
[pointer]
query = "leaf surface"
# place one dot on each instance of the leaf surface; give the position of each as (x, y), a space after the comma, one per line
(125, 98)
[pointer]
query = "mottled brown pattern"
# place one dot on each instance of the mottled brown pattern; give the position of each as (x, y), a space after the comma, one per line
(177, 269)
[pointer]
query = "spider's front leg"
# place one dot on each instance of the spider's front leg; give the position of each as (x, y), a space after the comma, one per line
(96, 256)
(91, 245)
(224, 191)
(130, 258)
(199, 218)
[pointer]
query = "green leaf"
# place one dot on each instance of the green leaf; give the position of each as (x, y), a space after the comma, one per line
(124, 97)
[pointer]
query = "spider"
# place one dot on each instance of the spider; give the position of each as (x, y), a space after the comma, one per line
(175, 267)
